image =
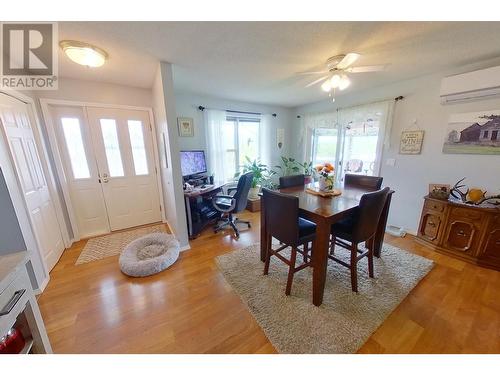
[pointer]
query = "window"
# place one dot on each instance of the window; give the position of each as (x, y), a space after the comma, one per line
(74, 144)
(112, 147)
(324, 146)
(485, 134)
(241, 141)
(136, 134)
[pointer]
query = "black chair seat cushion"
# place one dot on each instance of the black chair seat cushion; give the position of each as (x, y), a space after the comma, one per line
(306, 227)
(224, 203)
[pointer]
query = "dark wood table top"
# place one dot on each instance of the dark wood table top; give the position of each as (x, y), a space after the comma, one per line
(317, 207)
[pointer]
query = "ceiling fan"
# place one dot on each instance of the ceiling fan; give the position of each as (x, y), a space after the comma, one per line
(336, 69)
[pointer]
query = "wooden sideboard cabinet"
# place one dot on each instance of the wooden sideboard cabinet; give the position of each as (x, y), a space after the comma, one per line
(467, 232)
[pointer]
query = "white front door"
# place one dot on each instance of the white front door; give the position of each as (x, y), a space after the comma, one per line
(15, 117)
(80, 169)
(123, 146)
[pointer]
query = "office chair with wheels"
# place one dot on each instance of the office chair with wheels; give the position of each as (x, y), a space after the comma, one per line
(227, 205)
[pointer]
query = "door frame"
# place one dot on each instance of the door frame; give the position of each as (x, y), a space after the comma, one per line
(49, 122)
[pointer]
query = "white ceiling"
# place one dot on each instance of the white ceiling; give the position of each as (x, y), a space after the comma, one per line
(257, 61)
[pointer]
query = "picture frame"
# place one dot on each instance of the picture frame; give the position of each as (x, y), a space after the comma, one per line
(185, 126)
(439, 191)
(411, 142)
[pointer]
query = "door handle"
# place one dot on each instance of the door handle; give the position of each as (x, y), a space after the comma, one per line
(12, 302)
(105, 178)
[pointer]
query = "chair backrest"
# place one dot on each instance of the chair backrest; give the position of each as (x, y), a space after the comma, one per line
(289, 181)
(242, 189)
(363, 181)
(282, 216)
(368, 214)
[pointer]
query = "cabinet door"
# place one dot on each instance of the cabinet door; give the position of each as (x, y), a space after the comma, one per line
(491, 248)
(430, 226)
(462, 236)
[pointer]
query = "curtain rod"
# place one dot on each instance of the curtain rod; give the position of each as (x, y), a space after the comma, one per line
(202, 108)
(396, 99)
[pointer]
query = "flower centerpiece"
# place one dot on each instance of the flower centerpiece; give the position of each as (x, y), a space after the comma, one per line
(326, 176)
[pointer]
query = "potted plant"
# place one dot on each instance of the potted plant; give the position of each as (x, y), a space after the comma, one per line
(289, 166)
(261, 176)
(326, 176)
(307, 168)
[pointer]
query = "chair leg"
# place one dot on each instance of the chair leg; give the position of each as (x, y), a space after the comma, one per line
(354, 267)
(371, 245)
(332, 245)
(268, 255)
(291, 271)
(306, 251)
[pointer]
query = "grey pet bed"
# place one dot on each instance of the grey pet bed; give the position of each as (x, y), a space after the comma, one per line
(149, 254)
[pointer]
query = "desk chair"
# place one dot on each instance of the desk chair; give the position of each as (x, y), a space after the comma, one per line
(289, 181)
(230, 204)
(362, 181)
(361, 226)
(283, 223)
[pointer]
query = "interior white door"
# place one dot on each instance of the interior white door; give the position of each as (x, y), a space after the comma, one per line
(15, 116)
(80, 169)
(123, 146)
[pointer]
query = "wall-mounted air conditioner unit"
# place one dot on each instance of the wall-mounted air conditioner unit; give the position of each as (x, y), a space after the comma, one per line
(478, 85)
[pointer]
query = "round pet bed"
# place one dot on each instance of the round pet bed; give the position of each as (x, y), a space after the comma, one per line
(149, 254)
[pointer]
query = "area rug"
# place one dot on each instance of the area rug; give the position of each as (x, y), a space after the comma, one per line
(344, 321)
(112, 244)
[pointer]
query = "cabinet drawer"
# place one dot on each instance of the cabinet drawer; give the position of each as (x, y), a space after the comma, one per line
(435, 206)
(13, 300)
(466, 213)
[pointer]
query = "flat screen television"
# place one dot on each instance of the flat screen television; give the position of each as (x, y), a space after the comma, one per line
(193, 162)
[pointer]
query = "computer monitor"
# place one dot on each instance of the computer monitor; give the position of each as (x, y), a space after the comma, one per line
(193, 162)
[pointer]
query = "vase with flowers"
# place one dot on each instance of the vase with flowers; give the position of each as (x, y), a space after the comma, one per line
(326, 176)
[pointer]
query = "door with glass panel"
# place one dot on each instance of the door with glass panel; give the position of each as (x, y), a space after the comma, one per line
(123, 147)
(80, 170)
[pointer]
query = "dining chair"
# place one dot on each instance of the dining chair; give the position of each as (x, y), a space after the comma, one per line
(283, 223)
(363, 181)
(294, 180)
(359, 227)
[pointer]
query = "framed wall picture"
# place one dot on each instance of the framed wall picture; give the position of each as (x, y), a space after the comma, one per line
(185, 125)
(411, 142)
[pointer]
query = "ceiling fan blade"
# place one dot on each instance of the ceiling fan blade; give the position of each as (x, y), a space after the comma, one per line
(366, 69)
(316, 81)
(313, 72)
(348, 60)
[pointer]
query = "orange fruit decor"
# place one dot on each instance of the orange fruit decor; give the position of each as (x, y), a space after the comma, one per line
(474, 195)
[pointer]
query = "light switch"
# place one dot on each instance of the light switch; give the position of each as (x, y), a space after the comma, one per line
(390, 162)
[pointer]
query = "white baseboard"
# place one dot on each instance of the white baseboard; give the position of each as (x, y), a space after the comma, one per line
(184, 248)
(42, 287)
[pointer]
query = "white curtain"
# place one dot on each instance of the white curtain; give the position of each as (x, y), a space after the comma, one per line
(214, 125)
(265, 139)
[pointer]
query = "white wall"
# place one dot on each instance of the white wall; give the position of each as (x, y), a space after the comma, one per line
(187, 106)
(98, 92)
(412, 173)
(166, 126)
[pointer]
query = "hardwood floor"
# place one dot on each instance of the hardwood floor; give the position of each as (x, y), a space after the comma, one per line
(94, 308)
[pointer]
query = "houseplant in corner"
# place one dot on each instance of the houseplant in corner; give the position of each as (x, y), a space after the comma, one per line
(261, 176)
(288, 167)
(307, 168)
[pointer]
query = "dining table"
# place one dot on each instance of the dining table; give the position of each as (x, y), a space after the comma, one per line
(325, 211)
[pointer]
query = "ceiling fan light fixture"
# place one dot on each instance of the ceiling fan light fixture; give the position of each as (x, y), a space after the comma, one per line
(326, 86)
(344, 82)
(83, 53)
(335, 80)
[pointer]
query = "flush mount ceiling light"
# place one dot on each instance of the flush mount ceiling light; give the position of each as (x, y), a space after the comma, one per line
(84, 53)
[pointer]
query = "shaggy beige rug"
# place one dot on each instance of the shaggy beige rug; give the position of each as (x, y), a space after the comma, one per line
(344, 321)
(112, 244)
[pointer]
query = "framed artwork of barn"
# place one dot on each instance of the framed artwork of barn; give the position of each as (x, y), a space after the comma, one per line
(473, 133)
